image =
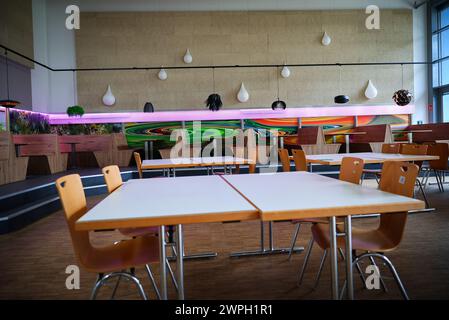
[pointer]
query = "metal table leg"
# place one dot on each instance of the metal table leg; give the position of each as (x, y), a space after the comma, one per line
(347, 143)
(263, 251)
(333, 252)
(162, 256)
(180, 262)
(348, 240)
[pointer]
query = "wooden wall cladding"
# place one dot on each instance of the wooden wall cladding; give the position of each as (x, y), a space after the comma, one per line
(116, 39)
(12, 168)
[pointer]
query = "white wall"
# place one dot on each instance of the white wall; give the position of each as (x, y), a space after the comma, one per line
(54, 45)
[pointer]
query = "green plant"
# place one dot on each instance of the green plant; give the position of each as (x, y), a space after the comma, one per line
(75, 111)
(23, 122)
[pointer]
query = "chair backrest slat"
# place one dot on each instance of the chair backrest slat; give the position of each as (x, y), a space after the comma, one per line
(138, 160)
(299, 156)
(285, 160)
(398, 178)
(73, 200)
(351, 169)
(112, 177)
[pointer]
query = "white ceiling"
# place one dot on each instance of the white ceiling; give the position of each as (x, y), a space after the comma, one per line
(237, 5)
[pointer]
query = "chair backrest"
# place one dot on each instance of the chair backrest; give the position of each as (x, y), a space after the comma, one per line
(73, 200)
(391, 147)
(285, 160)
(351, 169)
(299, 156)
(413, 149)
(112, 177)
(138, 163)
(398, 178)
(441, 150)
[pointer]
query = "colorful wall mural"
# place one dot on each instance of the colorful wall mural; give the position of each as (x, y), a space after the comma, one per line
(159, 132)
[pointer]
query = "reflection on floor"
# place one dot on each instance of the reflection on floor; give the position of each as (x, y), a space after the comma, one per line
(33, 262)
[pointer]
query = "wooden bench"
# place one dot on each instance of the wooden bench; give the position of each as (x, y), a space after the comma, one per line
(40, 145)
(99, 145)
(312, 141)
(12, 168)
(375, 137)
(440, 131)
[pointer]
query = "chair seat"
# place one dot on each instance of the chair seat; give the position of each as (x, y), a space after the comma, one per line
(362, 239)
(138, 232)
(123, 255)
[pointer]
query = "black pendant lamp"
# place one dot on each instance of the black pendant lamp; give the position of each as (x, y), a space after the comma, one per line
(278, 104)
(8, 103)
(402, 97)
(342, 98)
(213, 102)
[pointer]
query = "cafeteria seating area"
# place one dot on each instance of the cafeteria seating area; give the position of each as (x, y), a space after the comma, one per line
(224, 150)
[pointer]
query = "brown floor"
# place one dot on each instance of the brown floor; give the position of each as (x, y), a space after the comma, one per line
(33, 262)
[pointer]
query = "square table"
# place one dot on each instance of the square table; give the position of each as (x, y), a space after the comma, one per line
(299, 195)
(161, 202)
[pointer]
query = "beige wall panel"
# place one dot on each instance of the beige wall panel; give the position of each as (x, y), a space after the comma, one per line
(230, 38)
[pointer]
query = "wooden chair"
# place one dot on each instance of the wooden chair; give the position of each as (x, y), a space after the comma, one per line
(114, 181)
(390, 148)
(416, 149)
(440, 166)
(398, 178)
(138, 160)
(110, 261)
(350, 171)
(285, 159)
(299, 156)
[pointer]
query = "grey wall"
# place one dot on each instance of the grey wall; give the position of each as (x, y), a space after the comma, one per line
(19, 83)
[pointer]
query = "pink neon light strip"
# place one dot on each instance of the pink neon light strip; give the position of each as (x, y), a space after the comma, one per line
(235, 114)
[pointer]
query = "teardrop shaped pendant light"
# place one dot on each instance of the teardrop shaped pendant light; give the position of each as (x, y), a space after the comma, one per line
(341, 99)
(285, 73)
(243, 94)
(326, 40)
(162, 75)
(370, 91)
(188, 57)
(108, 98)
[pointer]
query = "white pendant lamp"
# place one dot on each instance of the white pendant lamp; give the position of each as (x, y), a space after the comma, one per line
(188, 57)
(370, 91)
(108, 98)
(243, 94)
(326, 40)
(162, 75)
(285, 73)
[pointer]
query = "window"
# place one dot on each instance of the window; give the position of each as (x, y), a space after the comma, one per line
(445, 107)
(439, 20)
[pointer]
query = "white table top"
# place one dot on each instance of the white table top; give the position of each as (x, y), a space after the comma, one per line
(193, 162)
(368, 157)
(164, 201)
(294, 195)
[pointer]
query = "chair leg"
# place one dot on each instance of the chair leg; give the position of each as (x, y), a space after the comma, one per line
(172, 276)
(153, 282)
(116, 286)
(306, 260)
(295, 236)
(104, 279)
(423, 193)
(390, 266)
(382, 282)
(342, 255)
(439, 181)
(317, 279)
(426, 178)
